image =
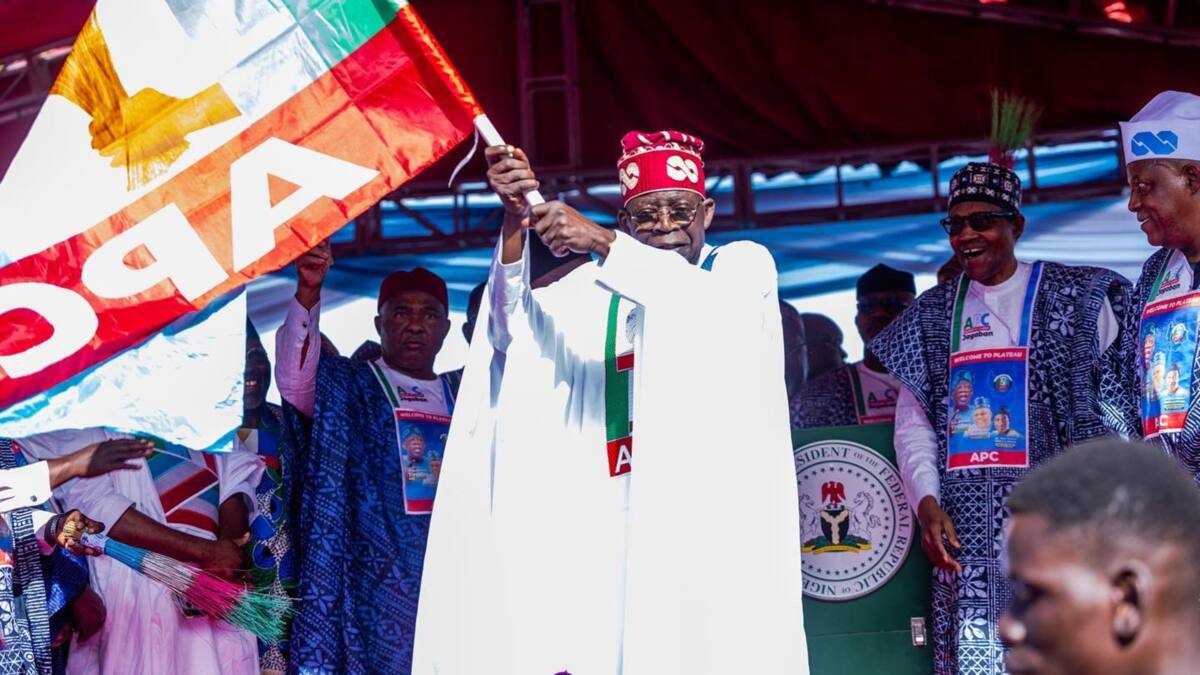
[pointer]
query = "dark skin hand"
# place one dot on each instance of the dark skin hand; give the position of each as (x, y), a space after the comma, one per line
(565, 230)
(100, 458)
(562, 228)
(311, 269)
(67, 530)
(938, 535)
(510, 177)
(223, 557)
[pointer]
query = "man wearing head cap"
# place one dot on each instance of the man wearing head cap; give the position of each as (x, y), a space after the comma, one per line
(596, 464)
(1042, 341)
(363, 495)
(1162, 159)
(863, 392)
(823, 338)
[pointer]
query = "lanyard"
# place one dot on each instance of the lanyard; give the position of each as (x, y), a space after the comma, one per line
(1026, 309)
(617, 419)
(856, 384)
(390, 392)
(1162, 275)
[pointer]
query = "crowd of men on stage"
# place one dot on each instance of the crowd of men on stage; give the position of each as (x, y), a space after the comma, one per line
(998, 370)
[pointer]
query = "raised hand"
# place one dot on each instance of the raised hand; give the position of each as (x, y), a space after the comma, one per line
(311, 269)
(510, 176)
(565, 230)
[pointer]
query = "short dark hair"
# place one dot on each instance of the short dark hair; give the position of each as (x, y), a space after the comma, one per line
(1116, 489)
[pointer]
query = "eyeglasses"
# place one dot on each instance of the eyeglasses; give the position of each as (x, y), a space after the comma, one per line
(680, 215)
(890, 305)
(980, 222)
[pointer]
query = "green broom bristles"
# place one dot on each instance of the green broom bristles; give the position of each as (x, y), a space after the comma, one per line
(1013, 119)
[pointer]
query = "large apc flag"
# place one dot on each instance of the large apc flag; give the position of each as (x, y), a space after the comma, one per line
(187, 147)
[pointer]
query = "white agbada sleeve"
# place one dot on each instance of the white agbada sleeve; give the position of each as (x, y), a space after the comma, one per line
(916, 450)
(24, 486)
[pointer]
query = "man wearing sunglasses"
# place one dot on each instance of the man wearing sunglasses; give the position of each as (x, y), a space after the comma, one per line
(1041, 341)
(591, 473)
(863, 392)
(1162, 157)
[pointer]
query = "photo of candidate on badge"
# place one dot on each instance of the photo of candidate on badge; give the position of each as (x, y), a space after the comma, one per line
(422, 444)
(988, 416)
(1168, 347)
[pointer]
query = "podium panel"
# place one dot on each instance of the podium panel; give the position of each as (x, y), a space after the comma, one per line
(866, 580)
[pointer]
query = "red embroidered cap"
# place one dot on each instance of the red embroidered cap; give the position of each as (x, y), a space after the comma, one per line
(660, 160)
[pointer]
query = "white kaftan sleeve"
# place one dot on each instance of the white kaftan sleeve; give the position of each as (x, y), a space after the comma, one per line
(238, 473)
(27, 485)
(296, 369)
(509, 287)
(97, 497)
(916, 450)
(645, 274)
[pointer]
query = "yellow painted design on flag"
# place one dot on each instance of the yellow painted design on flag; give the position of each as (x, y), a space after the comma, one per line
(145, 132)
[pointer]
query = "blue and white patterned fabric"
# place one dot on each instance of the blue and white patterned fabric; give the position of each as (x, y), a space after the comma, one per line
(1075, 393)
(827, 401)
(1184, 446)
(359, 554)
(24, 622)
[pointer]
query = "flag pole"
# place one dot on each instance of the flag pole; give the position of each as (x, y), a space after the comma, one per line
(491, 138)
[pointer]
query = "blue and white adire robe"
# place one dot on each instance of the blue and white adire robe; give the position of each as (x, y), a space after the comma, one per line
(30, 619)
(1184, 446)
(1075, 393)
(24, 618)
(359, 555)
(827, 401)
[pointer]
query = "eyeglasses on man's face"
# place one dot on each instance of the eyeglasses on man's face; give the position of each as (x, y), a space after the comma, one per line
(679, 215)
(979, 222)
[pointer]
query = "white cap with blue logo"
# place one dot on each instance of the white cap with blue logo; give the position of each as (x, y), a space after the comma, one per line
(1168, 127)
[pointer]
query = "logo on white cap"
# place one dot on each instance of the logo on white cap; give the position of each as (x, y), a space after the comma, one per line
(1145, 143)
(1167, 126)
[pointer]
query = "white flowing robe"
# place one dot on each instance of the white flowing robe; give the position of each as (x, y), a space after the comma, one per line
(144, 631)
(539, 562)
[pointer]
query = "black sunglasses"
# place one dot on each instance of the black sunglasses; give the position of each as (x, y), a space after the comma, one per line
(980, 222)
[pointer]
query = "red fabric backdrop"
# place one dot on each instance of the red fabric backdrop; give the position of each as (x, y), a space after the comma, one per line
(764, 77)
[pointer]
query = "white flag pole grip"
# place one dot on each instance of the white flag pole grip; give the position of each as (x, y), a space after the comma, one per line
(491, 137)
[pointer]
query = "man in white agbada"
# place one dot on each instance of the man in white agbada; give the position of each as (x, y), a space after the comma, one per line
(597, 518)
